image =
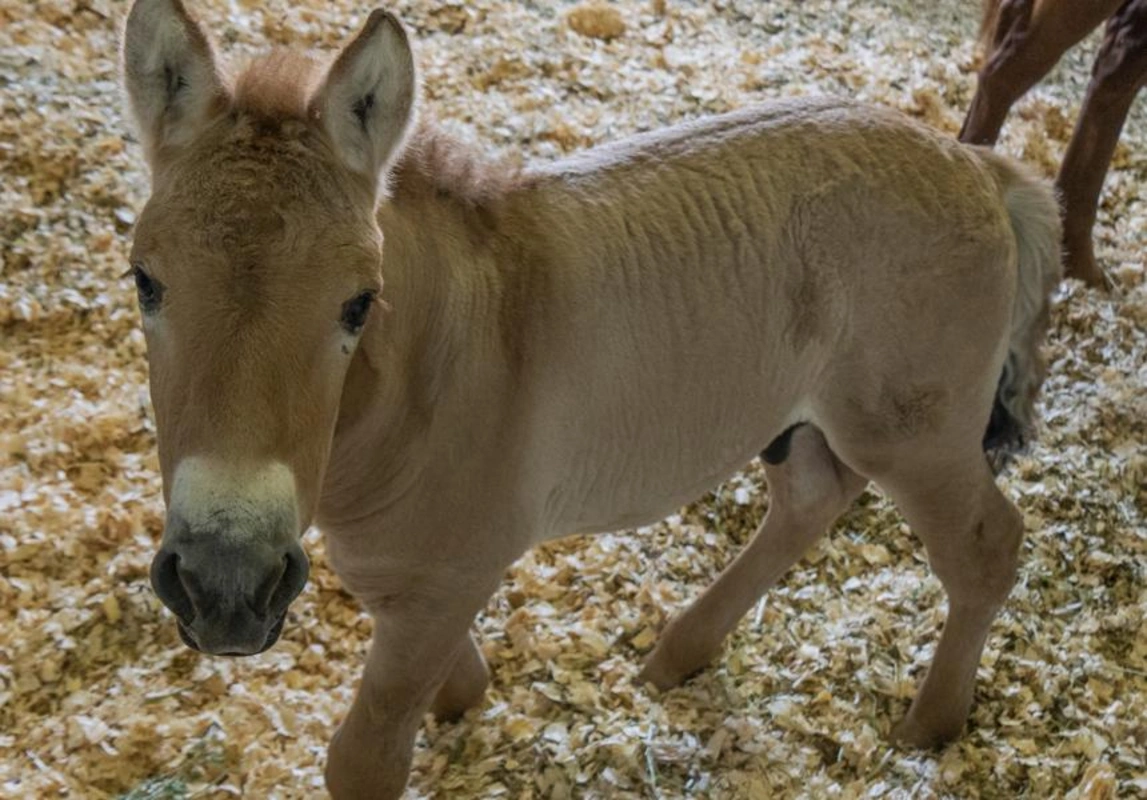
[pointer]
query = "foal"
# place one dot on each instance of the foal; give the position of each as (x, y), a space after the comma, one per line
(582, 347)
(1025, 40)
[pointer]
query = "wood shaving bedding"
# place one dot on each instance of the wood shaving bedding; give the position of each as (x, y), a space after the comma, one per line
(99, 699)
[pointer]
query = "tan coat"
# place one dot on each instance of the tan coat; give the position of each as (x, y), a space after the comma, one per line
(580, 347)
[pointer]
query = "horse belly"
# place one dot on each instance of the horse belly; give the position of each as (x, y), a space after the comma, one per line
(672, 432)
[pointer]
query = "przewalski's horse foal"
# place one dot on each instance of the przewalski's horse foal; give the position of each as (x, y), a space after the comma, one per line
(582, 347)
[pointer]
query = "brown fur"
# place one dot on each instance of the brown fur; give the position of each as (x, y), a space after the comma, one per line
(441, 164)
(278, 86)
(989, 18)
(1022, 40)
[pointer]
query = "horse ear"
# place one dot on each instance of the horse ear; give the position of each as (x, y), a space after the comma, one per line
(366, 102)
(172, 81)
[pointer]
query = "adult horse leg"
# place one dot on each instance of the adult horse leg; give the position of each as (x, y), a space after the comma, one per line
(1120, 72)
(1027, 39)
(807, 492)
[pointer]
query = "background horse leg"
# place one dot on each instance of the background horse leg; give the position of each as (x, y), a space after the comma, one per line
(1120, 71)
(1026, 40)
(807, 492)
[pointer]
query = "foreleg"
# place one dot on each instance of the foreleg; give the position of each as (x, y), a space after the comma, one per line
(420, 640)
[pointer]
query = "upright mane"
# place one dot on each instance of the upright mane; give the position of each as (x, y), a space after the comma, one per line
(278, 87)
(438, 162)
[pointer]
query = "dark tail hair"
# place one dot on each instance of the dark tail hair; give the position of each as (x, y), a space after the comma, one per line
(1034, 214)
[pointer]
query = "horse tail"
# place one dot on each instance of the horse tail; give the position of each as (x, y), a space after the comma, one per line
(1035, 221)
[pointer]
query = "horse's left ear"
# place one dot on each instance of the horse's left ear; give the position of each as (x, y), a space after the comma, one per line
(170, 73)
(366, 102)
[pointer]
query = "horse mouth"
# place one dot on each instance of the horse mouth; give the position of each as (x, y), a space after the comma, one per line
(273, 635)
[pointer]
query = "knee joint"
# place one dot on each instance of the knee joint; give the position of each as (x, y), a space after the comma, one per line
(1000, 549)
(1011, 15)
(1122, 57)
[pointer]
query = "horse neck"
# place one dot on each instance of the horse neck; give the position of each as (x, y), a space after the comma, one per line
(477, 293)
(434, 336)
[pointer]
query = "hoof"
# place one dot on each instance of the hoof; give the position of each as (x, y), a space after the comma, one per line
(464, 688)
(660, 677)
(444, 712)
(452, 703)
(911, 734)
(1097, 278)
(1083, 266)
(664, 674)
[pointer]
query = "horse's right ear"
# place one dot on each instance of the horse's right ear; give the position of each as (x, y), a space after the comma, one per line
(172, 81)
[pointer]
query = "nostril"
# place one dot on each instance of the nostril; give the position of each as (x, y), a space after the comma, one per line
(168, 582)
(266, 590)
(294, 578)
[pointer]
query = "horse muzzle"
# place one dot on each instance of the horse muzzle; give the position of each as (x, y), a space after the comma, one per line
(230, 596)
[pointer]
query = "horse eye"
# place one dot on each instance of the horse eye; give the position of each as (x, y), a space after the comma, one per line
(149, 290)
(355, 311)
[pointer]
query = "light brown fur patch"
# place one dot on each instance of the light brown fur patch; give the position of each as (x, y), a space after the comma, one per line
(277, 87)
(441, 164)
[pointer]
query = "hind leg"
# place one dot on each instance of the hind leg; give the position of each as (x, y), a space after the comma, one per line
(1120, 71)
(972, 534)
(806, 494)
(1029, 38)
